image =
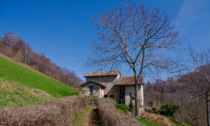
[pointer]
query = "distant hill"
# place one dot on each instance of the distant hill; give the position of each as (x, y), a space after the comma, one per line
(20, 85)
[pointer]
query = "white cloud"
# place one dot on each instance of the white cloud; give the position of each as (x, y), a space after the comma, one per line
(190, 11)
(193, 22)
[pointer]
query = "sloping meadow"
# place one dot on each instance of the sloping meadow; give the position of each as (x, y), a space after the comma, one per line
(14, 72)
(17, 95)
(58, 112)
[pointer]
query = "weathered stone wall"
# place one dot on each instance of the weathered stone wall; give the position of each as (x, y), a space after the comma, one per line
(131, 89)
(141, 94)
(114, 91)
(107, 81)
(97, 91)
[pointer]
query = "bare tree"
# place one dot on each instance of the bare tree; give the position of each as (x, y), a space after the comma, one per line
(27, 54)
(8, 40)
(200, 78)
(134, 35)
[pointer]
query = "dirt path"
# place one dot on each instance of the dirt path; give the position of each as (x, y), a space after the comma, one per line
(91, 118)
(88, 119)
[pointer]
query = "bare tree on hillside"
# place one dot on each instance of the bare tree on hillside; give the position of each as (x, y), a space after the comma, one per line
(201, 78)
(27, 54)
(8, 40)
(134, 35)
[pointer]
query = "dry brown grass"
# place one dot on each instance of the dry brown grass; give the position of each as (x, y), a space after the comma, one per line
(58, 112)
(16, 95)
(111, 117)
(14, 87)
(155, 118)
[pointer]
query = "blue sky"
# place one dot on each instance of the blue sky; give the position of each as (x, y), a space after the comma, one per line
(62, 29)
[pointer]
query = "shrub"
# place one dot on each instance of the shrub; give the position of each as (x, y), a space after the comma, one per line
(169, 109)
(111, 117)
(154, 110)
(151, 103)
(51, 113)
(122, 106)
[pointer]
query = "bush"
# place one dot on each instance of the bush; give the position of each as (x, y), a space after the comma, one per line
(122, 106)
(111, 117)
(169, 109)
(154, 110)
(52, 113)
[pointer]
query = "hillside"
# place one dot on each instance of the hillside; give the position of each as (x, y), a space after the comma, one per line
(182, 92)
(18, 50)
(21, 85)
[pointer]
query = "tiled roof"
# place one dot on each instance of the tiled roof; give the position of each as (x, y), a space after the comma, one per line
(94, 83)
(104, 73)
(128, 81)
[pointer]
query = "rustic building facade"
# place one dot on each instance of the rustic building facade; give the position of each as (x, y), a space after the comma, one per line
(111, 84)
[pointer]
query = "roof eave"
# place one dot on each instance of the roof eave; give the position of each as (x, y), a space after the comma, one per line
(99, 76)
(128, 84)
(93, 82)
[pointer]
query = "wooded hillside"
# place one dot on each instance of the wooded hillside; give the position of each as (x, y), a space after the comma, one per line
(180, 91)
(16, 48)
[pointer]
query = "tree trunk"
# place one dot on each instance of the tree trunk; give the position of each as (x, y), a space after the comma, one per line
(26, 56)
(2, 43)
(208, 109)
(136, 97)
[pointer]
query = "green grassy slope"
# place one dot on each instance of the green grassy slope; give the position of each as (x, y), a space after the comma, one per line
(17, 95)
(11, 72)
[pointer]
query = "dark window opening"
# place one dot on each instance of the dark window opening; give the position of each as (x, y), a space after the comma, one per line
(91, 90)
(111, 96)
(121, 100)
(105, 96)
(122, 90)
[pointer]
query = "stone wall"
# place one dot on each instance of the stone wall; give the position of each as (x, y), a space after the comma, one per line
(97, 91)
(107, 81)
(131, 89)
(141, 94)
(114, 91)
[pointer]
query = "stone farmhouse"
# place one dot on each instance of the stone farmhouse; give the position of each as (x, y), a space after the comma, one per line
(111, 84)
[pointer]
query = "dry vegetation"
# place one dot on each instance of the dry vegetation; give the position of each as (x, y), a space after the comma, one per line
(155, 118)
(192, 111)
(59, 112)
(111, 117)
(17, 95)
